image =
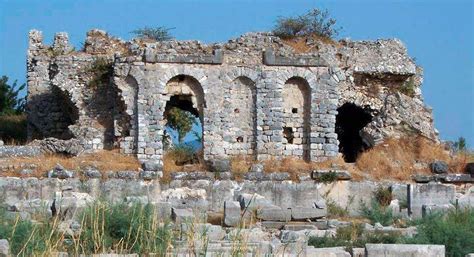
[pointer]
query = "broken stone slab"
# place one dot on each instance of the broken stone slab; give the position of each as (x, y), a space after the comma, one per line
(304, 213)
(4, 248)
(273, 224)
(327, 252)
(8, 151)
(428, 209)
(300, 226)
(60, 172)
(71, 147)
(149, 175)
(455, 178)
(91, 172)
(274, 214)
(197, 175)
(180, 216)
(289, 236)
(467, 200)
(339, 174)
(397, 250)
(444, 178)
(69, 204)
(358, 252)
(232, 216)
(253, 201)
(152, 165)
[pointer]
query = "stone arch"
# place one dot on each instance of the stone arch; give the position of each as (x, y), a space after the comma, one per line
(62, 111)
(126, 114)
(185, 92)
(296, 112)
(243, 116)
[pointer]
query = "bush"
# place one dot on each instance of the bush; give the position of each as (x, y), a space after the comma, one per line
(13, 128)
(328, 177)
(156, 33)
(354, 236)
(377, 213)
(335, 210)
(313, 23)
(408, 87)
(455, 230)
(383, 195)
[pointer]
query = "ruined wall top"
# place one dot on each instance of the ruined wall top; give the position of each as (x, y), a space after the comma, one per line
(379, 57)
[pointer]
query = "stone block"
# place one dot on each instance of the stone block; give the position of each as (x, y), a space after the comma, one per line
(428, 209)
(397, 250)
(428, 194)
(327, 252)
(274, 214)
(273, 224)
(300, 226)
(304, 213)
(232, 216)
(4, 248)
(182, 215)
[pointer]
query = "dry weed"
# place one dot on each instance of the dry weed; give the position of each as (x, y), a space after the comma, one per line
(399, 159)
(102, 160)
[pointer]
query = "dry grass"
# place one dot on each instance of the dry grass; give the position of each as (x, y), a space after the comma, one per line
(102, 160)
(170, 165)
(300, 46)
(397, 159)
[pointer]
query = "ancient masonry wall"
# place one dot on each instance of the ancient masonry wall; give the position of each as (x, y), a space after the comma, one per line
(254, 95)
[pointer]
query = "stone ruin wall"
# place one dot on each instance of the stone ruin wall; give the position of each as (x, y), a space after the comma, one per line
(255, 95)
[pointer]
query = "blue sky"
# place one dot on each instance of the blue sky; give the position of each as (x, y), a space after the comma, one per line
(439, 34)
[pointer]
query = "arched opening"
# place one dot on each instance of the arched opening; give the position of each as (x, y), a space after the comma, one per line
(126, 115)
(350, 120)
(63, 114)
(296, 118)
(243, 117)
(183, 118)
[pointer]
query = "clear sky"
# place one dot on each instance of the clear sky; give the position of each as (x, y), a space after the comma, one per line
(439, 34)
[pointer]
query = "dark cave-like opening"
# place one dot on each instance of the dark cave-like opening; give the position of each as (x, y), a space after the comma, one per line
(350, 120)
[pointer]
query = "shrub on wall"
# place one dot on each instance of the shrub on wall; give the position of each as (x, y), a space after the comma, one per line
(313, 23)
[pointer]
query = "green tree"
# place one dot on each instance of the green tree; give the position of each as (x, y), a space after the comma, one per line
(10, 102)
(181, 121)
(460, 145)
(156, 33)
(314, 22)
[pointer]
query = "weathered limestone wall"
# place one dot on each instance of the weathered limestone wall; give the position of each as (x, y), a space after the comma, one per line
(254, 95)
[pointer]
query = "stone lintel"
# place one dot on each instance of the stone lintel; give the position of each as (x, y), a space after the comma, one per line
(216, 58)
(269, 58)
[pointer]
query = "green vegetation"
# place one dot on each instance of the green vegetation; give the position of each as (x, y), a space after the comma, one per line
(328, 177)
(13, 128)
(116, 228)
(313, 23)
(454, 229)
(101, 71)
(180, 120)
(155, 33)
(335, 210)
(377, 213)
(460, 145)
(10, 102)
(354, 236)
(383, 195)
(12, 108)
(408, 87)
